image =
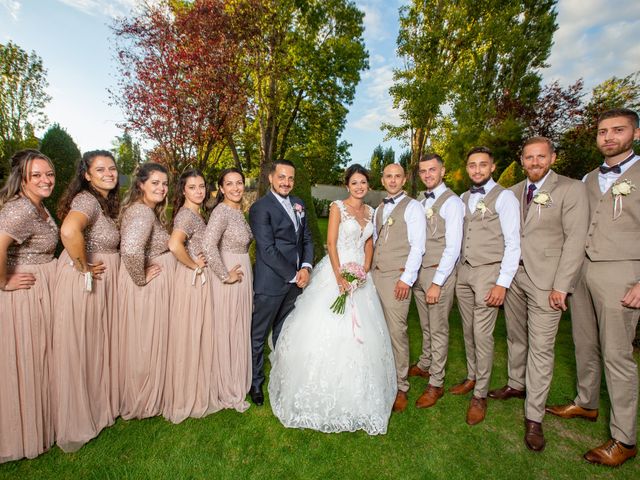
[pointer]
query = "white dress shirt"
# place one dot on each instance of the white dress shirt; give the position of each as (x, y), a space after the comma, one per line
(508, 210)
(416, 235)
(538, 184)
(452, 212)
(605, 180)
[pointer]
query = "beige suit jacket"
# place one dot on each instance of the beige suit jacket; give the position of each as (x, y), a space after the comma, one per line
(553, 236)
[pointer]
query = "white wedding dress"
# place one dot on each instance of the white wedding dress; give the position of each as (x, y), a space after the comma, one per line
(331, 372)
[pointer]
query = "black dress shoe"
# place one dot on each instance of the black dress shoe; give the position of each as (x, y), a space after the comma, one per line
(257, 397)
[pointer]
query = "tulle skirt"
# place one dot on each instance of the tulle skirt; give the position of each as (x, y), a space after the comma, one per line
(334, 372)
(26, 423)
(232, 309)
(84, 368)
(189, 389)
(144, 330)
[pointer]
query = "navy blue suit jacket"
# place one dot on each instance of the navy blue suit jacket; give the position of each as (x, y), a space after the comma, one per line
(280, 250)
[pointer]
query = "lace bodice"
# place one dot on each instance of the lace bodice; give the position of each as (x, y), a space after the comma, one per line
(352, 236)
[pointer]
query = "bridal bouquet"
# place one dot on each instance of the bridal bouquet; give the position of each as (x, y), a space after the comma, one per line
(356, 276)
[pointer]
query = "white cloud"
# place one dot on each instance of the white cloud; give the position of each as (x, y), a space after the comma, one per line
(595, 41)
(110, 8)
(12, 6)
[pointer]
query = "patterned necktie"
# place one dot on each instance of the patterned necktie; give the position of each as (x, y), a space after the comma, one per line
(532, 187)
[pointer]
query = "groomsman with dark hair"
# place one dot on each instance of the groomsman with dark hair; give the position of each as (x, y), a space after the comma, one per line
(553, 224)
(435, 287)
(606, 303)
(488, 262)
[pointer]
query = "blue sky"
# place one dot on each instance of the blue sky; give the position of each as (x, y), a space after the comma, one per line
(596, 39)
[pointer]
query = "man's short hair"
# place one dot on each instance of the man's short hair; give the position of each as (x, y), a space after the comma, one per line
(620, 112)
(425, 157)
(481, 149)
(532, 140)
(275, 164)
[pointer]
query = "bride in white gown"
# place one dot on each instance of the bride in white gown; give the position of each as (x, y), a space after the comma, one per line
(335, 372)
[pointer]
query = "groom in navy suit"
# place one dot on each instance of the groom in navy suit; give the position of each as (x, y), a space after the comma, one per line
(284, 252)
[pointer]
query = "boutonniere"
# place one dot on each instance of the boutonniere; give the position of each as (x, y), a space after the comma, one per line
(430, 213)
(299, 209)
(620, 189)
(482, 208)
(389, 221)
(542, 199)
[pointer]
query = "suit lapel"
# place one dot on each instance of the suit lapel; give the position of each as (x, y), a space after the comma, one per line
(548, 186)
(282, 209)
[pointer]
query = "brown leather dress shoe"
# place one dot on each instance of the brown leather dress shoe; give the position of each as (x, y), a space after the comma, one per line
(430, 396)
(401, 401)
(416, 371)
(533, 436)
(477, 410)
(611, 454)
(572, 410)
(463, 388)
(506, 392)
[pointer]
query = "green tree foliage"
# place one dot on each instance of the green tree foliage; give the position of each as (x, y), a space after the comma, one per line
(127, 153)
(375, 167)
(578, 153)
(302, 189)
(512, 175)
(304, 66)
(470, 57)
(58, 145)
(23, 83)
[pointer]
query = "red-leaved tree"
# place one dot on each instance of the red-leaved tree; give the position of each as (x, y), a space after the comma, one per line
(181, 79)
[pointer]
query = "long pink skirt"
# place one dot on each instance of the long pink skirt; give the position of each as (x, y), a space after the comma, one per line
(188, 388)
(26, 425)
(232, 309)
(144, 331)
(83, 369)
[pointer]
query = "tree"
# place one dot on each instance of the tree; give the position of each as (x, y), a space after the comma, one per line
(375, 167)
(23, 97)
(512, 175)
(578, 153)
(468, 56)
(181, 82)
(127, 153)
(58, 145)
(305, 64)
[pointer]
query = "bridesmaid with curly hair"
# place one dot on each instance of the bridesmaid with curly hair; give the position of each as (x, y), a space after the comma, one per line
(84, 373)
(188, 384)
(226, 246)
(28, 239)
(145, 284)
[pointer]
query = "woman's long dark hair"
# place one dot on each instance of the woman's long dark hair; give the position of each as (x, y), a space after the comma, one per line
(178, 195)
(134, 194)
(224, 173)
(110, 205)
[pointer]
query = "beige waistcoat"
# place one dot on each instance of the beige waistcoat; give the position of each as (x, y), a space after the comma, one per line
(392, 246)
(436, 229)
(482, 240)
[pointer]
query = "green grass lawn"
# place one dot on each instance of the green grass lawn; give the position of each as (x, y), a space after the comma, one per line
(420, 444)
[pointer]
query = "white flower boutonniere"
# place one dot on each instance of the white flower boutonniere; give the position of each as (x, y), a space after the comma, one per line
(482, 208)
(620, 189)
(542, 199)
(389, 221)
(429, 213)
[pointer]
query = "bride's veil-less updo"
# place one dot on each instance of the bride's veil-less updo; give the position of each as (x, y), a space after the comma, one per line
(352, 170)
